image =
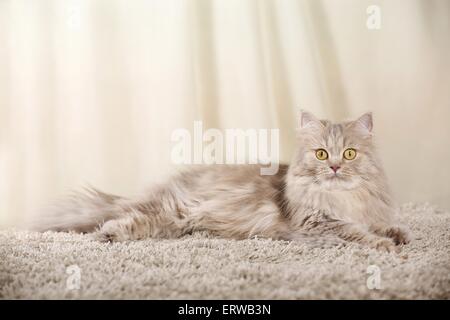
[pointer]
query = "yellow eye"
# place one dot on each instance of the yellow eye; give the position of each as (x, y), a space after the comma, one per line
(350, 154)
(321, 154)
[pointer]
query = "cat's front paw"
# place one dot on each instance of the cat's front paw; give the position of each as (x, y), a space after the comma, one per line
(398, 235)
(111, 231)
(105, 236)
(384, 244)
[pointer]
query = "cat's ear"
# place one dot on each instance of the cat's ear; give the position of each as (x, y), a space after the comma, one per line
(308, 120)
(364, 123)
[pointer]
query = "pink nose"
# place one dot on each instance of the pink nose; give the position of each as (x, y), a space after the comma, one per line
(335, 168)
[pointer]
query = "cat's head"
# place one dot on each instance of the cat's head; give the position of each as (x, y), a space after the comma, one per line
(335, 156)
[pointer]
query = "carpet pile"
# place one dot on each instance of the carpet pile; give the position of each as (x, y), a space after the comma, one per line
(72, 266)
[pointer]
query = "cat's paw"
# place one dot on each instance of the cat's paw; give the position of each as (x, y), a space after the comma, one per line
(384, 244)
(111, 231)
(398, 235)
(105, 236)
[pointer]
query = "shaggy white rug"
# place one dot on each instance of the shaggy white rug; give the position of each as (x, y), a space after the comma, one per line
(60, 265)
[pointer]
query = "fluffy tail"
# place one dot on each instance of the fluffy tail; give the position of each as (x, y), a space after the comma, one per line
(81, 212)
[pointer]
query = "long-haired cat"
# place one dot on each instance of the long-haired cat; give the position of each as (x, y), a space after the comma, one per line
(334, 188)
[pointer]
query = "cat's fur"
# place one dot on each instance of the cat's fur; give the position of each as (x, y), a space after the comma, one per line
(305, 201)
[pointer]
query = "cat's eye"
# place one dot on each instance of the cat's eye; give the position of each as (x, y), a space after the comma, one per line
(321, 154)
(350, 154)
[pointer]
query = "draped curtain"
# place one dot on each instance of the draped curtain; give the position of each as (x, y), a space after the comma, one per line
(91, 91)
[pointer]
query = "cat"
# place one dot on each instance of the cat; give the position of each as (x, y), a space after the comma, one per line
(333, 190)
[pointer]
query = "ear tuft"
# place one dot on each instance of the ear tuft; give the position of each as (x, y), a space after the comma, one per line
(366, 121)
(307, 119)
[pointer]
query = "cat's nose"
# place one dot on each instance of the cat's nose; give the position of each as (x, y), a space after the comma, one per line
(335, 168)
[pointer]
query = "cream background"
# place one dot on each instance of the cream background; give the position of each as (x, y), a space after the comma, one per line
(90, 91)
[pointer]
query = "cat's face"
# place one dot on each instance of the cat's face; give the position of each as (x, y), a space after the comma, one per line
(335, 156)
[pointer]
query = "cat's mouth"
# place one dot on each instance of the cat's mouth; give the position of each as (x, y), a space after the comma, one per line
(336, 180)
(334, 176)
(339, 182)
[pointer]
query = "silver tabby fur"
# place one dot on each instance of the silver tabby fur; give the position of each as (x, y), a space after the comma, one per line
(305, 201)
